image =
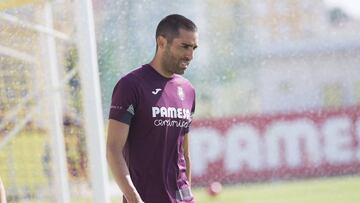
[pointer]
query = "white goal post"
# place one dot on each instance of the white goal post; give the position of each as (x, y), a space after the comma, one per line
(91, 95)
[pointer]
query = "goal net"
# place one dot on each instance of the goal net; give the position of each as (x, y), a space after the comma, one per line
(44, 145)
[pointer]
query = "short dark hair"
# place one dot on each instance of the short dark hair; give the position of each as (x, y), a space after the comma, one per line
(170, 25)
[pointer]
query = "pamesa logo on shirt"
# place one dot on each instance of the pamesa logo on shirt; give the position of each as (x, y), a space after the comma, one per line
(169, 116)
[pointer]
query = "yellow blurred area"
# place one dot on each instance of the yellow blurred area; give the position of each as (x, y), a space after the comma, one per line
(6, 4)
(22, 161)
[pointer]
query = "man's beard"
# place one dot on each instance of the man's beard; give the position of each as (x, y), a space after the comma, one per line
(170, 63)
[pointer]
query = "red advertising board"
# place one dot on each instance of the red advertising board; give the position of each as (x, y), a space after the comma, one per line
(276, 146)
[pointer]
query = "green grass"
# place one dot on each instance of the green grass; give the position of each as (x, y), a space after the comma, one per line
(22, 160)
(325, 190)
(330, 190)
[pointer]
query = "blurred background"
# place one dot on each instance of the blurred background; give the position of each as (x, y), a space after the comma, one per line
(278, 96)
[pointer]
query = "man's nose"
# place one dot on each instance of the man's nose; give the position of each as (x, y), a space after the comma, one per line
(189, 54)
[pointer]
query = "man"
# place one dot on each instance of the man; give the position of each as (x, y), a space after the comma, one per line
(150, 115)
(2, 192)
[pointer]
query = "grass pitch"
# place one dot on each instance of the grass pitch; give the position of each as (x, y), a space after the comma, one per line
(325, 190)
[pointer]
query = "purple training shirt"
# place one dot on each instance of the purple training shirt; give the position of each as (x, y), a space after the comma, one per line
(159, 112)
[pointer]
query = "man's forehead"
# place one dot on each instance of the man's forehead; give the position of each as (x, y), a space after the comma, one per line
(185, 36)
(187, 32)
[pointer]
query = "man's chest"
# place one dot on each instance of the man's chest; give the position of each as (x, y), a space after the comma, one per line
(166, 103)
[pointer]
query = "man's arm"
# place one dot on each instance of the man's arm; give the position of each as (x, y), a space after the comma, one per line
(117, 136)
(187, 157)
(2, 193)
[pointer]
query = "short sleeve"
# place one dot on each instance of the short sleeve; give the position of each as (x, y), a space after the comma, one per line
(124, 100)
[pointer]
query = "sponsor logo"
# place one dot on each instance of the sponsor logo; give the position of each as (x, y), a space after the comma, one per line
(305, 144)
(171, 112)
(172, 123)
(156, 91)
(171, 116)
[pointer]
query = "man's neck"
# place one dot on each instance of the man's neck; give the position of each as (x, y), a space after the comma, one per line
(156, 64)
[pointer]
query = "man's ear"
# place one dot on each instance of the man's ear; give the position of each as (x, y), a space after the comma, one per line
(161, 42)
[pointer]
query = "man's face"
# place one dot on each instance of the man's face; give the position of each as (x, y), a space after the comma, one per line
(178, 54)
